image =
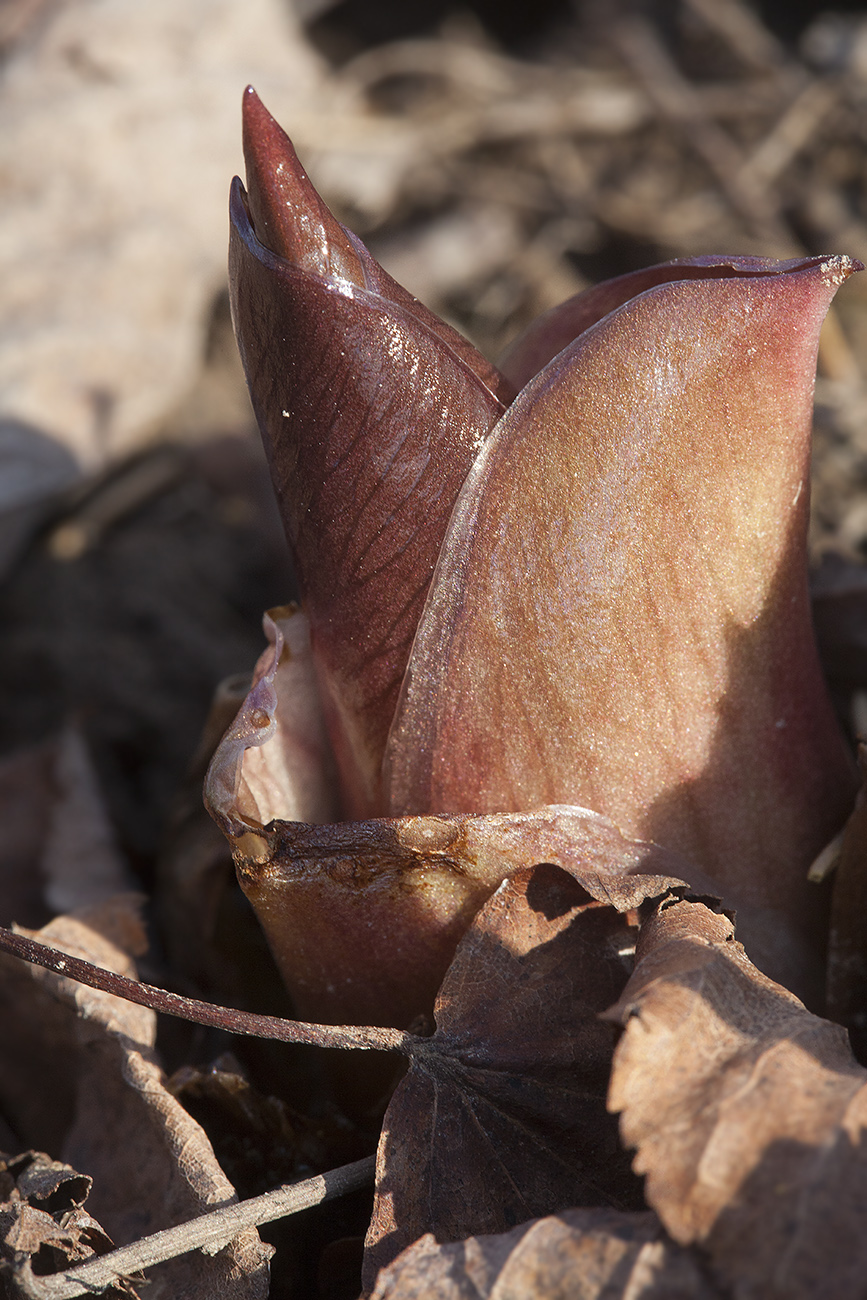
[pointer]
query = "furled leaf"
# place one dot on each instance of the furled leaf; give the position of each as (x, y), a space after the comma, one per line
(363, 917)
(372, 413)
(598, 1254)
(620, 616)
(748, 1113)
(274, 760)
(502, 1117)
(291, 219)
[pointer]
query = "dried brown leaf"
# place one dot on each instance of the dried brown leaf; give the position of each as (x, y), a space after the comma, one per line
(746, 1110)
(43, 1225)
(113, 341)
(502, 1118)
(79, 1066)
(597, 1254)
(847, 937)
(46, 1183)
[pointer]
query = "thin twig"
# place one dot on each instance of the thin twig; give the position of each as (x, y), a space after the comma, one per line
(793, 131)
(676, 101)
(206, 1013)
(210, 1232)
(744, 32)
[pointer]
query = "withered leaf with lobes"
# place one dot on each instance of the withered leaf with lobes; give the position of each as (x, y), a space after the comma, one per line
(552, 612)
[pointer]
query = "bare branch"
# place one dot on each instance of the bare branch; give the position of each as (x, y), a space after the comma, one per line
(210, 1232)
(206, 1013)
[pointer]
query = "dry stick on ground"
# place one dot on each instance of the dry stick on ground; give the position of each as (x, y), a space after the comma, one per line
(347, 1037)
(210, 1232)
(789, 135)
(218, 1227)
(676, 101)
(746, 182)
(743, 31)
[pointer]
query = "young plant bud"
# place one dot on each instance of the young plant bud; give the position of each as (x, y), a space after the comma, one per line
(548, 628)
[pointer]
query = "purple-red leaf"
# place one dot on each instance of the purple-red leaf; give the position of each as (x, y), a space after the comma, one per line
(557, 328)
(372, 412)
(620, 616)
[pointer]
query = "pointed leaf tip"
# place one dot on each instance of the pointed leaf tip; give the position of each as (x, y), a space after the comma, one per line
(839, 267)
(369, 405)
(550, 333)
(288, 216)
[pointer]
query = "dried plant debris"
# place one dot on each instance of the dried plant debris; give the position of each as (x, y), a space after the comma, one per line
(598, 1254)
(107, 1109)
(94, 350)
(747, 1113)
(44, 1227)
(503, 1116)
(847, 935)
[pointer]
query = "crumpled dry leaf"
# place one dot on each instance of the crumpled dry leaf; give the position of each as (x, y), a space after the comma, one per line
(43, 1222)
(503, 1117)
(597, 1254)
(747, 1112)
(79, 1068)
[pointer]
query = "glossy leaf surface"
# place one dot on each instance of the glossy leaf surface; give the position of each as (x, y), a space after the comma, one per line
(556, 329)
(372, 412)
(620, 616)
